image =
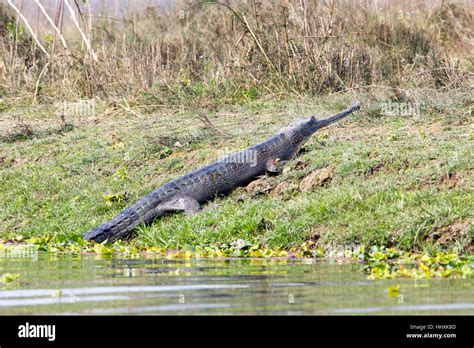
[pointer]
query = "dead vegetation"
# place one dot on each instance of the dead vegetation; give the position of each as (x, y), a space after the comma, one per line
(211, 52)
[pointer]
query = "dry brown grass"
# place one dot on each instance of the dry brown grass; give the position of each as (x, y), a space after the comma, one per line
(208, 51)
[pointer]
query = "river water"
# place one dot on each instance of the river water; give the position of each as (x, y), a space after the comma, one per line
(94, 285)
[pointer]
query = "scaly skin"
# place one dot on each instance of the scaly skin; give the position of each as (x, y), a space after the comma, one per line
(220, 177)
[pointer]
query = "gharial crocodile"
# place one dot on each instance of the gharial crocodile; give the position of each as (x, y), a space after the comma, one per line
(188, 192)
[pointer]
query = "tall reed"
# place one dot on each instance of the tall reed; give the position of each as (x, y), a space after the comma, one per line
(240, 50)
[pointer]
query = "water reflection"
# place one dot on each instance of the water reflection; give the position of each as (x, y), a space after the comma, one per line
(67, 284)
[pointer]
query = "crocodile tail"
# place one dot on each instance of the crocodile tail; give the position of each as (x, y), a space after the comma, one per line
(98, 234)
(119, 227)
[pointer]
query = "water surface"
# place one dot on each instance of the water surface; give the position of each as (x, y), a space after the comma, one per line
(92, 285)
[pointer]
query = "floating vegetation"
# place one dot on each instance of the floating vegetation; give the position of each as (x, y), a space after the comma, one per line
(389, 263)
(393, 291)
(8, 278)
(238, 248)
(380, 262)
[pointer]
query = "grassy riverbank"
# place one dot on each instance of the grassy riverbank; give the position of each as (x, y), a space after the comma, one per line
(378, 178)
(91, 122)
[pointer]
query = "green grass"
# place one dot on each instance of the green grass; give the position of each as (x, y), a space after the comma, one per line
(396, 182)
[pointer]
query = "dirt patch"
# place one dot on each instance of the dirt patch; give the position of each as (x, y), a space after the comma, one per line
(453, 180)
(280, 189)
(450, 180)
(18, 162)
(446, 235)
(319, 177)
(259, 186)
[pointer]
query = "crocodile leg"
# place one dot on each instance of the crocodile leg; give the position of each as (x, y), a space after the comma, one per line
(188, 204)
